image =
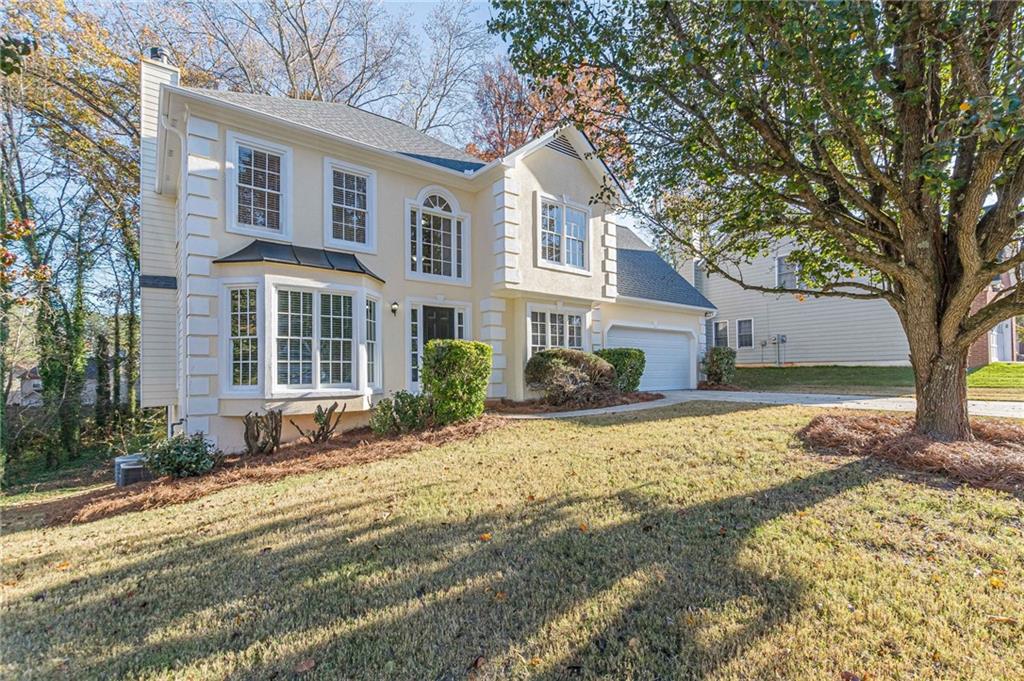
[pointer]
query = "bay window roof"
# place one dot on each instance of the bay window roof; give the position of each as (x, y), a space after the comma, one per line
(268, 251)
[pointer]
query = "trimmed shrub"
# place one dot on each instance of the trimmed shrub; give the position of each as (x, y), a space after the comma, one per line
(183, 456)
(629, 366)
(455, 375)
(404, 412)
(719, 365)
(570, 376)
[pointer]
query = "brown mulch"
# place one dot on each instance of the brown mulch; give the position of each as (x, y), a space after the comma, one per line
(505, 406)
(995, 459)
(354, 447)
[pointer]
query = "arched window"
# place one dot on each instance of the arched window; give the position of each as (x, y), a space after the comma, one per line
(437, 237)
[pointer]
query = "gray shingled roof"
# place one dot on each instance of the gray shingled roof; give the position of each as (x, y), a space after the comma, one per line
(642, 273)
(355, 124)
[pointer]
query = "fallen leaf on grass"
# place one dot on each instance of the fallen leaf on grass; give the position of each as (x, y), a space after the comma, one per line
(478, 662)
(1002, 619)
(849, 676)
(63, 565)
(584, 527)
(535, 661)
(996, 583)
(306, 665)
(501, 596)
(486, 536)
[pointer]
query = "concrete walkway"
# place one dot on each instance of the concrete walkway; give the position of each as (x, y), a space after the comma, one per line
(974, 407)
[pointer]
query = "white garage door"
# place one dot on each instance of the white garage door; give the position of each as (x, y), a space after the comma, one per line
(668, 355)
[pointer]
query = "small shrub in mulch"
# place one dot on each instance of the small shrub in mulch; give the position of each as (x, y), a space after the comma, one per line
(995, 459)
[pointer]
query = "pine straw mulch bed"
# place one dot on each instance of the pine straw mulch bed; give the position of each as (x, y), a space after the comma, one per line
(995, 459)
(506, 406)
(727, 387)
(357, 446)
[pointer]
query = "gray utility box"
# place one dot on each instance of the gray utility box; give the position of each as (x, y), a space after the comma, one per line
(130, 468)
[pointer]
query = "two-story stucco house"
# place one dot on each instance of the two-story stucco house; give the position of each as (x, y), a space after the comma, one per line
(296, 253)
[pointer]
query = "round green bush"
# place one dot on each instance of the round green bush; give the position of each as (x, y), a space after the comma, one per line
(629, 366)
(183, 456)
(570, 376)
(455, 375)
(719, 365)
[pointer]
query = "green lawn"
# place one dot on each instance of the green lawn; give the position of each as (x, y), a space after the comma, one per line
(696, 541)
(998, 381)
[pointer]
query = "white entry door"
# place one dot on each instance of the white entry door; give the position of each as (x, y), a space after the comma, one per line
(668, 356)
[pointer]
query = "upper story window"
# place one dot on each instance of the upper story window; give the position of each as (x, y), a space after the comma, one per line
(787, 274)
(563, 234)
(350, 206)
(259, 187)
(438, 241)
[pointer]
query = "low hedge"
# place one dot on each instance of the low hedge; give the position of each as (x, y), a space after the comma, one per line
(455, 374)
(183, 456)
(404, 412)
(570, 376)
(629, 366)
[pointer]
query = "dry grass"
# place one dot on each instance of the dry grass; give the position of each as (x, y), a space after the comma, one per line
(698, 541)
(354, 447)
(995, 459)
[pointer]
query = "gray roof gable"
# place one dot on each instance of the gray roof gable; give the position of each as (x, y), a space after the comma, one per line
(353, 123)
(642, 273)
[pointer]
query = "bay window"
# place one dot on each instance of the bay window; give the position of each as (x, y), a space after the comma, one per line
(335, 339)
(244, 337)
(563, 234)
(294, 337)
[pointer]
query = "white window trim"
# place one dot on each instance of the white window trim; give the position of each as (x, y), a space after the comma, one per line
(234, 139)
(331, 164)
(378, 384)
(563, 202)
(417, 303)
(737, 324)
(714, 333)
(467, 243)
(557, 308)
(227, 389)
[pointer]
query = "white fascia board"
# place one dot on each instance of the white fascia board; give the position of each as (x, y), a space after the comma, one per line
(631, 300)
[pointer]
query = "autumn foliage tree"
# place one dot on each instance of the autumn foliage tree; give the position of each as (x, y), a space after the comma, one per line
(513, 109)
(884, 141)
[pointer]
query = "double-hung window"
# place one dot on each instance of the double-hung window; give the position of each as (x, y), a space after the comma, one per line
(372, 364)
(438, 240)
(350, 198)
(787, 274)
(563, 234)
(294, 337)
(243, 312)
(258, 194)
(336, 352)
(550, 329)
(721, 334)
(745, 333)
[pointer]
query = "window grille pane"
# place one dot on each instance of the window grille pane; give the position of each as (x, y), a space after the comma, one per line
(336, 361)
(259, 188)
(575, 329)
(538, 331)
(294, 337)
(348, 209)
(371, 342)
(551, 232)
(414, 336)
(557, 330)
(575, 237)
(243, 335)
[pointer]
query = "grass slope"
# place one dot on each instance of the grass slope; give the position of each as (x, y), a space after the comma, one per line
(697, 541)
(997, 381)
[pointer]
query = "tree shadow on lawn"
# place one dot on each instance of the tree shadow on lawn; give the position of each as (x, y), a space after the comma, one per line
(659, 591)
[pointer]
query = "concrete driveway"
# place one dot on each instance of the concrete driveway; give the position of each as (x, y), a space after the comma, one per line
(974, 407)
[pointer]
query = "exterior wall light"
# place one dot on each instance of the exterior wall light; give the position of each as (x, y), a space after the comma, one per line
(394, 308)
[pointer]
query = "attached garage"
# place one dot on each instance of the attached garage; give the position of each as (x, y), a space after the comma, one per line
(668, 355)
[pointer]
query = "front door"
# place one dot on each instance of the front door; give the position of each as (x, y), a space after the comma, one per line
(438, 322)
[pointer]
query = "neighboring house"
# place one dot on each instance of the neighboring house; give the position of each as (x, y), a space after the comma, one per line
(779, 329)
(297, 253)
(28, 388)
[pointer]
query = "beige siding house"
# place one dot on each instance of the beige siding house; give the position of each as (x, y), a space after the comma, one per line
(297, 253)
(780, 329)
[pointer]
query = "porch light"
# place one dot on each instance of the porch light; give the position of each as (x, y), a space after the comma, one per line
(394, 308)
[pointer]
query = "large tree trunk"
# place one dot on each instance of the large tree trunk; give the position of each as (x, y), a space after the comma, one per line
(940, 376)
